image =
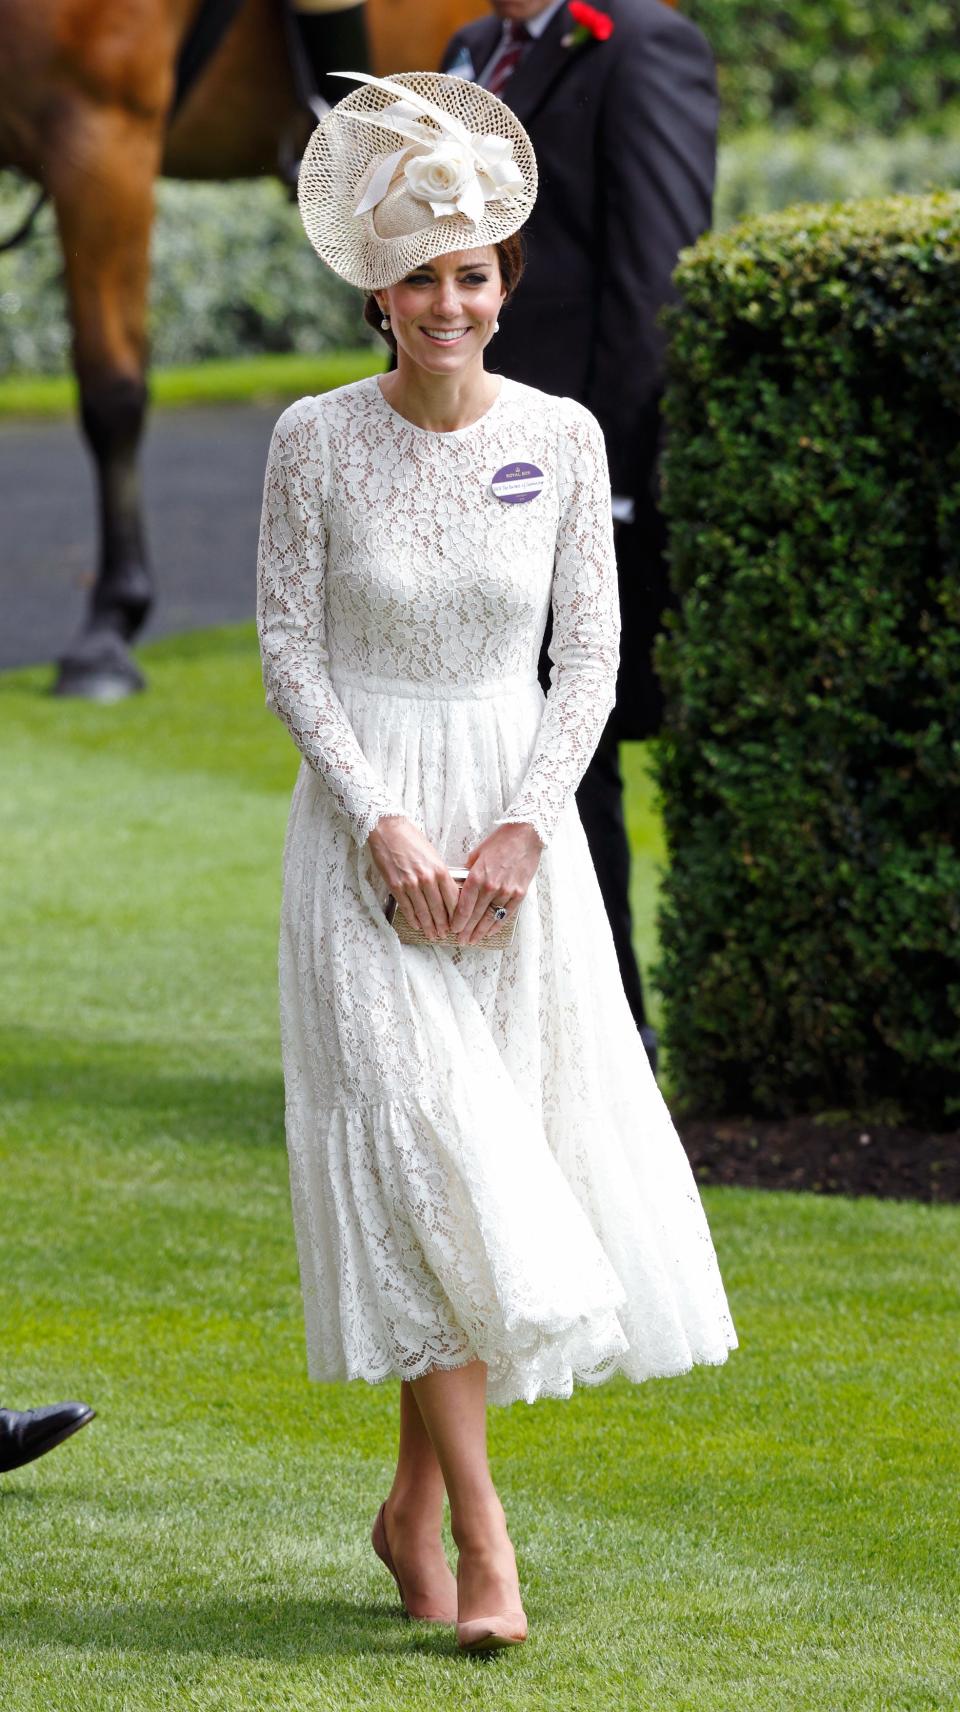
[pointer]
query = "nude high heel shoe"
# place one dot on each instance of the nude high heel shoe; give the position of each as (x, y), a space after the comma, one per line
(484, 1634)
(378, 1539)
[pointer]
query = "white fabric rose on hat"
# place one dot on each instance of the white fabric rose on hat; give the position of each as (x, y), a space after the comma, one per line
(461, 178)
(443, 177)
(457, 171)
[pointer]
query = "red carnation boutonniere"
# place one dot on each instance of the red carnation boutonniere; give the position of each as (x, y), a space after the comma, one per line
(589, 25)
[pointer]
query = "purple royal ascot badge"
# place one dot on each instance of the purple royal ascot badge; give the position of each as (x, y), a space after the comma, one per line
(517, 484)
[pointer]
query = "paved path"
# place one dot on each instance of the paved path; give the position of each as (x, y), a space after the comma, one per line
(203, 480)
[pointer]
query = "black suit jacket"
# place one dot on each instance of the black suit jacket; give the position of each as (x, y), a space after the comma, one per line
(625, 137)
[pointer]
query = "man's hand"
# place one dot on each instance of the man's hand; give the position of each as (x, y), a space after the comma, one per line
(501, 868)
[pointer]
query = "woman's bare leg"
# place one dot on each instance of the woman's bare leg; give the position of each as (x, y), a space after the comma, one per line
(414, 1513)
(454, 1408)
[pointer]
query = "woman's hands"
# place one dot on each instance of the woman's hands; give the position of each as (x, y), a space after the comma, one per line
(418, 878)
(501, 868)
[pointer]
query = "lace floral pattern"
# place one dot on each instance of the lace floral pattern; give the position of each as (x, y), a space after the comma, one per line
(481, 1163)
(464, 600)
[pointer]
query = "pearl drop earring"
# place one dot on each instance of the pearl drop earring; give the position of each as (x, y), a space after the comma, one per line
(496, 326)
(385, 322)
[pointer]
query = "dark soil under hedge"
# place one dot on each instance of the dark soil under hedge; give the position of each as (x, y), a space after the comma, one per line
(831, 1159)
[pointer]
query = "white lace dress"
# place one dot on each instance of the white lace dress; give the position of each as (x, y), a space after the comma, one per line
(481, 1162)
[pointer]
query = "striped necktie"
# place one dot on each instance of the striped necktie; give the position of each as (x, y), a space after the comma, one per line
(509, 57)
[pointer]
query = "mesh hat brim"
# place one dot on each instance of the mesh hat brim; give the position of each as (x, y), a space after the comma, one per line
(338, 162)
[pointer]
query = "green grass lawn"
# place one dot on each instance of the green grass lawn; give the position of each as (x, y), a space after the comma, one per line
(234, 380)
(778, 1535)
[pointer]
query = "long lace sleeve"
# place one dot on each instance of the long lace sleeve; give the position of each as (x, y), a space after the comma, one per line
(291, 564)
(584, 648)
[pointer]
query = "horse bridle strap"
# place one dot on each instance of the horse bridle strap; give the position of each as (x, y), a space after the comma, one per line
(23, 231)
(210, 25)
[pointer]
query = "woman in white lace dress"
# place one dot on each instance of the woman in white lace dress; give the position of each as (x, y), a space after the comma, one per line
(490, 1200)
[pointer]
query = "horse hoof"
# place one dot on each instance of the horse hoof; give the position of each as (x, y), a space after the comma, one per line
(99, 667)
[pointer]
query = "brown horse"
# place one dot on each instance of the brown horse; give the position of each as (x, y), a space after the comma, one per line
(85, 99)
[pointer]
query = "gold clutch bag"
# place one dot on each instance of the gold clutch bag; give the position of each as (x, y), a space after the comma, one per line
(498, 940)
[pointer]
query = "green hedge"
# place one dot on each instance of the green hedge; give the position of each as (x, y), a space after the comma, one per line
(846, 64)
(760, 171)
(810, 764)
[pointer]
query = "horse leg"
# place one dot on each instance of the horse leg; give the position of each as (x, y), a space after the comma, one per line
(101, 181)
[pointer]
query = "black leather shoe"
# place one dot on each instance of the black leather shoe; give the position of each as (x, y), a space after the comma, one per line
(26, 1434)
(649, 1037)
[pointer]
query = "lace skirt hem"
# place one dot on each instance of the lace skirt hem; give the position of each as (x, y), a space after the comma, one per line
(432, 1236)
(529, 1386)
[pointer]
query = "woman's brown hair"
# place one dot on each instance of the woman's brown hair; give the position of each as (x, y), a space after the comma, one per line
(510, 256)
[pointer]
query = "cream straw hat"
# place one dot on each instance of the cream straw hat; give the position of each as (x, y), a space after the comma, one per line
(411, 167)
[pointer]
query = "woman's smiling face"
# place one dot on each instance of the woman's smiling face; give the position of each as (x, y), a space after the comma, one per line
(443, 313)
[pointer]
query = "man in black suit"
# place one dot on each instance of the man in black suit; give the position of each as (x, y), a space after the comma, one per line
(622, 116)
